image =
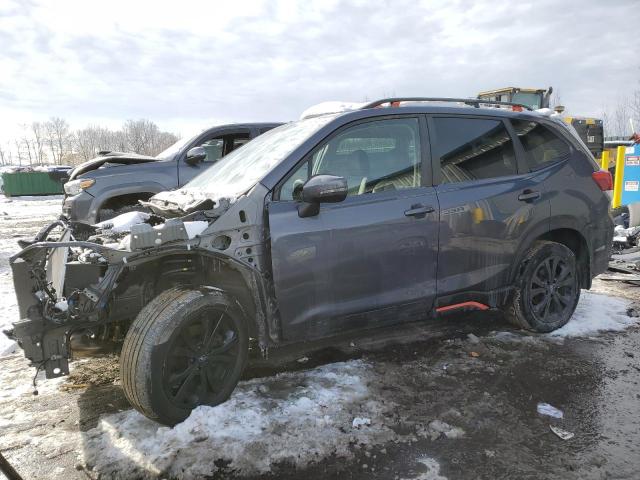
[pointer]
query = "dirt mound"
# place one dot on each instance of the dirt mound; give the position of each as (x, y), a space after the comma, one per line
(93, 372)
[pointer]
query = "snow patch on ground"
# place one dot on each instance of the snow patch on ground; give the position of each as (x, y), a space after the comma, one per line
(597, 313)
(433, 469)
(292, 418)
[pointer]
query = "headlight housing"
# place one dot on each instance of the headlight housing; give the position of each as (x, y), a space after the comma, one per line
(74, 187)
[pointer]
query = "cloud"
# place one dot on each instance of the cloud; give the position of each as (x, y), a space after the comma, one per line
(184, 63)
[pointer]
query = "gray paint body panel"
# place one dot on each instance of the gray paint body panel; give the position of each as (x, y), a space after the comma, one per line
(362, 255)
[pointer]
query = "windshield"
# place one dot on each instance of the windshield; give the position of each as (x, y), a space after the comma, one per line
(173, 149)
(529, 99)
(243, 168)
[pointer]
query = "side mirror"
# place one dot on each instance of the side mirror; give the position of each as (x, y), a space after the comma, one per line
(195, 156)
(321, 189)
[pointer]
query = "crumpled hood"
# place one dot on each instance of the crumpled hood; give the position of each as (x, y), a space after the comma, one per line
(111, 158)
(183, 201)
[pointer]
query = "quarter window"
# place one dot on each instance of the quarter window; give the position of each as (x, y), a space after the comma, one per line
(372, 157)
(542, 146)
(472, 149)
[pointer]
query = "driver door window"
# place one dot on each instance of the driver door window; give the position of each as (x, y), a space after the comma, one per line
(373, 157)
(218, 147)
(214, 149)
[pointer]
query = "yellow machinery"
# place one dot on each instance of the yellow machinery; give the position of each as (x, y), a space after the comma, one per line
(590, 130)
(532, 97)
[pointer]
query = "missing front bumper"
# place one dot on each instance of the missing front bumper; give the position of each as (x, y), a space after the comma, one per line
(48, 350)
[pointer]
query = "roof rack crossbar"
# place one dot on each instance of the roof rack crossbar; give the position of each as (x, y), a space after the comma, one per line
(474, 102)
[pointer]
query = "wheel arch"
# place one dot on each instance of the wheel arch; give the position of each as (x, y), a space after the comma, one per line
(572, 239)
(123, 199)
(112, 194)
(197, 269)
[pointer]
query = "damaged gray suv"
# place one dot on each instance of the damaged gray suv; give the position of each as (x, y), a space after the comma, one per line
(400, 210)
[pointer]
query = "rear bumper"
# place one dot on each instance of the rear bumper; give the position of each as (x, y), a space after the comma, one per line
(601, 258)
(601, 246)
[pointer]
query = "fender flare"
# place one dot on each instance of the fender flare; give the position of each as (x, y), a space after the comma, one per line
(100, 198)
(266, 320)
(544, 228)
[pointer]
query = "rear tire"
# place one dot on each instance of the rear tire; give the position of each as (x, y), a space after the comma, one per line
(547, 288)
(185, 348)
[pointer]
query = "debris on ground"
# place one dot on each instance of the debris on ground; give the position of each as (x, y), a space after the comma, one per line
(99, 371)
(438, 428)
(563, 434)
(550, 410)
(473, 338)
(360, 421)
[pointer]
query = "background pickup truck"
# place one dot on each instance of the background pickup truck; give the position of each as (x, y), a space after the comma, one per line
(114, 182)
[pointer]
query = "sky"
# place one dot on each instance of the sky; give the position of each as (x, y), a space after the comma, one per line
(187, 65)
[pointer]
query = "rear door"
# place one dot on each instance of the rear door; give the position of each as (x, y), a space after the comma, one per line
(370, 259)
(488, 204)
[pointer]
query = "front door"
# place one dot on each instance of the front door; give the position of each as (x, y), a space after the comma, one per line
(488, 204)
(370, 259)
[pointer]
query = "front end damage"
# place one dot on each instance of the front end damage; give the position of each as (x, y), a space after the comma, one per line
(62, 287)
(77, 297)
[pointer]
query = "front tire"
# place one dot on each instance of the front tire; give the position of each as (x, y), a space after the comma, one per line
(547, 288)
(185, 348)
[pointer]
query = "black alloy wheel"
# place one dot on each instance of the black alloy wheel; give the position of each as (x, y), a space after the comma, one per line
(200, 358)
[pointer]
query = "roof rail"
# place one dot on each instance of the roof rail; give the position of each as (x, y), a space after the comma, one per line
(474, 102)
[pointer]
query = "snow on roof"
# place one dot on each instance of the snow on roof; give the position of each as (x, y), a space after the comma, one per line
(330, 107)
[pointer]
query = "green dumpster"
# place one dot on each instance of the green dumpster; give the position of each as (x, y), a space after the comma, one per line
(32, 183)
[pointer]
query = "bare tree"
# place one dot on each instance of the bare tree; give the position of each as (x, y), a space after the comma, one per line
(144, 137)
(18, 151)
(92, 139)
(26, 145)
(54, 141)
(58, 137)
(39, 132)
(139, 135)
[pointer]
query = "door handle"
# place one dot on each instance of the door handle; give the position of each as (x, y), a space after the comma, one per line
(528, 195)
(419, 210)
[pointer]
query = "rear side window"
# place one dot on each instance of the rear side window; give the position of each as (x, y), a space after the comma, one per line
(472, 149)
(542, 146)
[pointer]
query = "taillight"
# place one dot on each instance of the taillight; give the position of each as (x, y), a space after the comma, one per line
(603, 180)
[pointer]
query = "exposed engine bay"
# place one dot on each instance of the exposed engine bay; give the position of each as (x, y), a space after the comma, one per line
(79, 286)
